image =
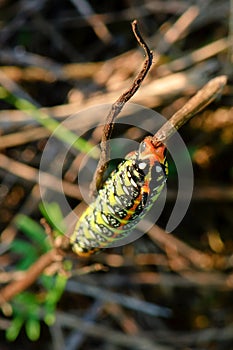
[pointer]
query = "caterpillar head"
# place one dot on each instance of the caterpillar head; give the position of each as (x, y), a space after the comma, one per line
(148, 153)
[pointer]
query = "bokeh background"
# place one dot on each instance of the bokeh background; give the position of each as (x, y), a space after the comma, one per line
(64, 56)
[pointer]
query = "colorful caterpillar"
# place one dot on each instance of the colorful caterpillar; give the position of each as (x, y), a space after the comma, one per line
(125, 198)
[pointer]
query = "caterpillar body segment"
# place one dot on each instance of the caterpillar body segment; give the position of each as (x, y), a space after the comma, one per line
(126, 196)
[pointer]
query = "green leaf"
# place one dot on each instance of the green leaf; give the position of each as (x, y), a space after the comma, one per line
(53, 214)
(25, 263)
(55, 293)
(47, 281)
(32, 327)
(53, 297)
(24, 301)
(22, 247)
(60, 285)
(33, 231)
(14, 329)
(67, 265)
(30, 227)
(50, 318)
(27, 251)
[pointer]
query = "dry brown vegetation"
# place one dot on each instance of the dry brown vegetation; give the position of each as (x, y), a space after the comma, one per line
(65, 56)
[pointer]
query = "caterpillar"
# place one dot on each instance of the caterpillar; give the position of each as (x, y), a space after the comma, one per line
(126, 196)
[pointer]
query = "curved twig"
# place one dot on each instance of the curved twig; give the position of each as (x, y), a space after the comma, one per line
(116, 109)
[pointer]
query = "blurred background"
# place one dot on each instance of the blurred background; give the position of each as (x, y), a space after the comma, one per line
(163, 291)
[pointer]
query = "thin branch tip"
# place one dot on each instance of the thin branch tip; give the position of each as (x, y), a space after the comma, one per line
(115, 110)
(207, 94)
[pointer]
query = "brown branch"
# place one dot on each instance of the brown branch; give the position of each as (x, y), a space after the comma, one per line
(199, 101)
(94, 20)
(31, 174)
(169, 242)
(29, 277)
(116, 109)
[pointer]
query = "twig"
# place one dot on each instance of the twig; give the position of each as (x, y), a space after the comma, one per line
(31, 174)
(169, 242)
(25, 11)
(114, 337)
(116, 109)
(230, 53)
(152, 95)
(28, 278)
(118, 298)
(194, 57)
(76, 338)
(126, 322)
(21, 137)
(94, 20)
(16, 96)
(203, 97)
(176, 32)
(56, 38)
